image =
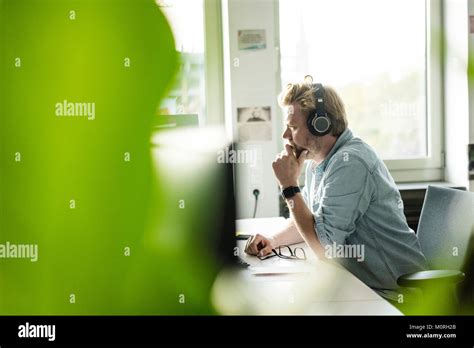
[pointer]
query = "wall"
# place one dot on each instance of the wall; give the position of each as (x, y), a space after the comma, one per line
(251, 79)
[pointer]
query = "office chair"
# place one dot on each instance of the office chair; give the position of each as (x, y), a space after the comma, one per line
(445, 233)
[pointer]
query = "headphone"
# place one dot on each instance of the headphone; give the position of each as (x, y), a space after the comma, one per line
(318, 122)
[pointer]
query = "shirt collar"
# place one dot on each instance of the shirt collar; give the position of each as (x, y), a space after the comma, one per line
(341, 140)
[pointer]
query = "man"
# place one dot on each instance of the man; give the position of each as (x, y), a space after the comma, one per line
(349, 201)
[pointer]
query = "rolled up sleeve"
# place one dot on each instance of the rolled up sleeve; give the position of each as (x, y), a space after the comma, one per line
(345, 197)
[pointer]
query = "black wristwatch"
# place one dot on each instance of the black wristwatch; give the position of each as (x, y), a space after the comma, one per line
(290, 191)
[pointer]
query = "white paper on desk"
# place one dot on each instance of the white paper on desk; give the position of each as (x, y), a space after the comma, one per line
(280, 266)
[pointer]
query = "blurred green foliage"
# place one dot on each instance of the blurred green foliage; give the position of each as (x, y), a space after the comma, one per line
(82, 250)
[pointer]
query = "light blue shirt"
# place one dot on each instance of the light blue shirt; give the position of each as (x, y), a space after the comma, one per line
(358, 213)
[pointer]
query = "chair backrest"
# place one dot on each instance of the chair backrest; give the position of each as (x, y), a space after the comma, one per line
(446, 225)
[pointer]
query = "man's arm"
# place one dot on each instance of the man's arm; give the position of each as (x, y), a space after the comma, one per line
(289, 235)
(287, 168)
(303, 220)
(260, 245)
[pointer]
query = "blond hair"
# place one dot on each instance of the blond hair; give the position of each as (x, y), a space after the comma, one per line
(303, 94)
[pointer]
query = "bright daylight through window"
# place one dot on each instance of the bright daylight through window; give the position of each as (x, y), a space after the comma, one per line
(373, 53)
(186, 18)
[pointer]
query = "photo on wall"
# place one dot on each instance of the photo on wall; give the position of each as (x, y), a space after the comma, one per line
(252, 40)
(254, 123)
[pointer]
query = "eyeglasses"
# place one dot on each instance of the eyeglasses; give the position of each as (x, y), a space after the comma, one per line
(285, 252)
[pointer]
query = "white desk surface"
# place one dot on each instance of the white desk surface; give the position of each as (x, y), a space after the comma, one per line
(277, 286)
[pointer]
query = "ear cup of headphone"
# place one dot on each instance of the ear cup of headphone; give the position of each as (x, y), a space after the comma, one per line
(322, 124)
(319, 125)
(318, 122)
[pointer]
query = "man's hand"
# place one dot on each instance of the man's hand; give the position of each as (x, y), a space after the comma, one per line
(259, 245)
(287, 167)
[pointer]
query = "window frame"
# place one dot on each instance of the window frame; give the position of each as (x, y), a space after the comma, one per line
(213, 66)
(213, 63)
(429, 168)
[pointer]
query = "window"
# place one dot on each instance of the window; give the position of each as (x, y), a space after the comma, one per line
(186, 18)
(380, 57)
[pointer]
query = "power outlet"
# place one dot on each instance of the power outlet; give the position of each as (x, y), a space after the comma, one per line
(253, 192)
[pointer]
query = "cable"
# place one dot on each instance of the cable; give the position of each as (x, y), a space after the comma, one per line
(256, 192)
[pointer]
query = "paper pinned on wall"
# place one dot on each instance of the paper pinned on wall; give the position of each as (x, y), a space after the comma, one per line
(254, 123)
(252, 39)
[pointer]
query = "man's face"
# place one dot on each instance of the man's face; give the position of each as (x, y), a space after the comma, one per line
(297, 133)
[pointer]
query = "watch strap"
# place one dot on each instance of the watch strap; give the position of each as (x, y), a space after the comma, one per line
(290, 191)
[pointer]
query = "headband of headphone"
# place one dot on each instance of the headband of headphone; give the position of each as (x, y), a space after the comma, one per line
(319, 123)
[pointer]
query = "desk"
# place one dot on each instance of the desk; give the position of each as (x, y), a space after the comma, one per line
(276, 286)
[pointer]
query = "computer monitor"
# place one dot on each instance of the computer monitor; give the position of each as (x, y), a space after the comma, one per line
(192, 218)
